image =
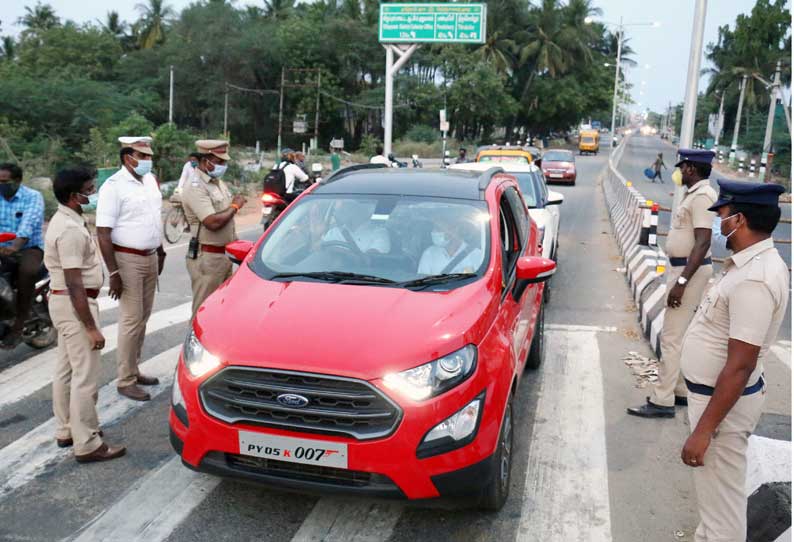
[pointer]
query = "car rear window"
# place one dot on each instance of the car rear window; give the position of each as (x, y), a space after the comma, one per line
(507, 159)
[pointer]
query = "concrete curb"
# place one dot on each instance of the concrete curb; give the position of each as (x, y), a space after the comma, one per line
(769, 505)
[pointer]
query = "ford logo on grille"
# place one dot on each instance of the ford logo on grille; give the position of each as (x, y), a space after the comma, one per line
(292, 400)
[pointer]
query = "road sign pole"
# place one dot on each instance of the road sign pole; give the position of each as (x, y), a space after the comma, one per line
(691, 95)
(392, 68)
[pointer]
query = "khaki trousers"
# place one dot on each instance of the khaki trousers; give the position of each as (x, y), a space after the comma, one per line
(720, 483)
(139, 279)
(74, 386)
(207, 272)
(671, 381)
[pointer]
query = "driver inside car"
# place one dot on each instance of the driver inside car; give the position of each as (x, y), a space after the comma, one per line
(449, 251)
(354, 224)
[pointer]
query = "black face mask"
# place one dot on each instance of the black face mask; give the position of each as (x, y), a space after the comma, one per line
(7, 190)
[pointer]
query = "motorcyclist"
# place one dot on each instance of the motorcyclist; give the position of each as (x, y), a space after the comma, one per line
(292, 172)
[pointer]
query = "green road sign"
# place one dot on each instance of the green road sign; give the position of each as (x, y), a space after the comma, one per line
(433, 23)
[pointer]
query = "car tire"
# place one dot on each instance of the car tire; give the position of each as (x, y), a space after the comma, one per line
(538, 345)
(494, 495)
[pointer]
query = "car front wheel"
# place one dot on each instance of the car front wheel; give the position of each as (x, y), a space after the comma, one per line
(538, 346)
(495, 493)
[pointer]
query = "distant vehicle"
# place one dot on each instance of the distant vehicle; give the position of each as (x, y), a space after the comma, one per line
(596, 125)
(497, 155)
(589, 141)
(559, 166)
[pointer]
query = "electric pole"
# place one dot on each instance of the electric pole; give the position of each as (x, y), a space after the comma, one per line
(735, 140)
(280, 113)
(171, 98)
(770, 121)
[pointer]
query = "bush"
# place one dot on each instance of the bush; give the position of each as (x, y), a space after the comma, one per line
(368, 144)
(423, 133)
(171, 147)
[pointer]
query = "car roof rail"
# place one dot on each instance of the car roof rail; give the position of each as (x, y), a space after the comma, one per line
(487, 175)
(339, 173)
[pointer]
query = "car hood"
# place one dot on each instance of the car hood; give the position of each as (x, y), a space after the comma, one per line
(557, 165)
(350, 330)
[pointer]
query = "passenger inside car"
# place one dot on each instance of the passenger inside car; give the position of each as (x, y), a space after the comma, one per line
(454, 247)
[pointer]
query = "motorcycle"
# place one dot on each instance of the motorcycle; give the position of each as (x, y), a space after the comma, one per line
(415, 161)
(38, 331)
(317, 173)
(395, 162)
(272, 206)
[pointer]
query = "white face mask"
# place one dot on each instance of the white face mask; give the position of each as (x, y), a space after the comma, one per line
(440, 239)
(218, 172)
(143, 167)
(718, 239)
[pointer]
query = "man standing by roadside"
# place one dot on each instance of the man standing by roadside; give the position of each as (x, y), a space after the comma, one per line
(22, 213)
(210, 209)
(76, 277)
(187, 170)
(657, 168)
(689, 249)
(462, 158)
(129, 229)
(723, 353)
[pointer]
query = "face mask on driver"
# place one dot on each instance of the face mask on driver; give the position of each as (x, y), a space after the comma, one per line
(7, 190)
(440, 238)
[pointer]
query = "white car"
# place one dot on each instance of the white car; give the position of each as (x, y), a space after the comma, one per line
(543, 203)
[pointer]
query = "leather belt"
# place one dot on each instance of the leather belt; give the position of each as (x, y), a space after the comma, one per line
(702, 389)
(215, 249)
(137, 252)
(681, 262)
(93, 293)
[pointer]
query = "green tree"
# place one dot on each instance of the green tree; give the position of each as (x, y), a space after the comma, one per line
(37, 19)
(151, 27)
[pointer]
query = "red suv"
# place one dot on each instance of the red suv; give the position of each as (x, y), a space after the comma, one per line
(372, 341)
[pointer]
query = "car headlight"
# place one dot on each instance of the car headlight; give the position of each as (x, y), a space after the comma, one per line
(436, 377)
(455, 432)
(197, 359)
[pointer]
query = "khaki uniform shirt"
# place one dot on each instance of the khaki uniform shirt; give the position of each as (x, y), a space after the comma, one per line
(69, 245)
(693, 212)
(203, 196)
(746, 303)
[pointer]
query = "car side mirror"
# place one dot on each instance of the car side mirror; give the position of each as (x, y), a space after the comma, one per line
(236, 251)
(539, 162)
(7, 236)
(555, 198)
(532, 270)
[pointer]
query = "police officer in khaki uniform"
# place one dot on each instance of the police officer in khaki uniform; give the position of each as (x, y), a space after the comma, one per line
(723, 353)
(76, 277)
(689, 250)
(210, 209)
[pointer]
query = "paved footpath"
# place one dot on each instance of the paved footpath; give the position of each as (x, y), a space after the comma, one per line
(583, 470)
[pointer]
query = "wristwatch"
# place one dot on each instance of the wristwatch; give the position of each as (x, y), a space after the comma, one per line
(682, 281)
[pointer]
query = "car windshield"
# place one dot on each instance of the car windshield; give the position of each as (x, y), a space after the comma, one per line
(529, 188)
(587, 139)
(558, 156)
(371, 239)
(502, 158)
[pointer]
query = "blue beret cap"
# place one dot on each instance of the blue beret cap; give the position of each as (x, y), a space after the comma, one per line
(747, 192)
(694, 155)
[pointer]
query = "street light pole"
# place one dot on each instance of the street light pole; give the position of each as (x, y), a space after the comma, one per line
(171, 98)
(226, 111)
(617, 78)
(280, 113)
(735, 140)
(770, 121)
(720, 120)
(691, 95)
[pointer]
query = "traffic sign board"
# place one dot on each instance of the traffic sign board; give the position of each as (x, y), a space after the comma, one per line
(432, 23)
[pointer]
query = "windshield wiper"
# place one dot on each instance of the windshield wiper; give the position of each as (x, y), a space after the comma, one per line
(335, 276)
(436, 279)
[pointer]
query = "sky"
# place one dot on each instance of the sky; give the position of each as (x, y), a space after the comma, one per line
(665, 49)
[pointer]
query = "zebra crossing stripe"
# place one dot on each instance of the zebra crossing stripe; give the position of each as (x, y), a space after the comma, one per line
(27, 457)
(33, 374)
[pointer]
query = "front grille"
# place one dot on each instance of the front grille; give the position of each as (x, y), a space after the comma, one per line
(336, 406)
(309, 473)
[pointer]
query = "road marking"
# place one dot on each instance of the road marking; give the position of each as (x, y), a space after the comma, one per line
(29, 376)
(566, 493)
(341, 520)
(27, 457)
(586, 329)
(153, 507)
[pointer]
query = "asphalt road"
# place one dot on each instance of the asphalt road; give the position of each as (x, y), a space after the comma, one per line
(583, 469)
(641, 151)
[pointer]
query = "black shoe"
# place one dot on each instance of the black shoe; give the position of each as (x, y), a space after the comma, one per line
(650, 410)
(681, 401)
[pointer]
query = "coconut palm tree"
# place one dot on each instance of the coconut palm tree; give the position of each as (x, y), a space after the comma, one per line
(499, 51)
(9, 48)
(279, 9)
(38, 18)
(151, 27)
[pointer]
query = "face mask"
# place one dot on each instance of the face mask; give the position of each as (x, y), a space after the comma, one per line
(678, 179)
(92, 199)
(7, 190)
(440, 239)
(193, 163)
(218, 172)
(718, 239)
(143, 167)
